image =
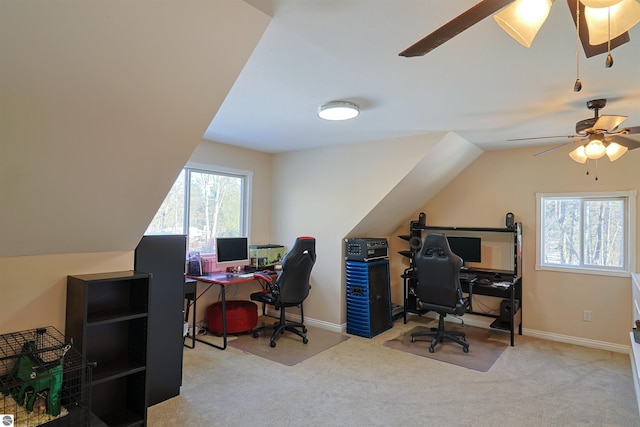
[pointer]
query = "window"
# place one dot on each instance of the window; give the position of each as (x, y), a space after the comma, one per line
(593, 233)
(205, 204)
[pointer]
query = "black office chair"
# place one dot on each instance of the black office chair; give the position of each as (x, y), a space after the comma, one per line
(438, 288)
(289, 288)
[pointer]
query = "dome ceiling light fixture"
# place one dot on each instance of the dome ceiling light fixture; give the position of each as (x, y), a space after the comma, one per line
(338, 110)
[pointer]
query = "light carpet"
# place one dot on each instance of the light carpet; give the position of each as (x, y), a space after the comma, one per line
(289, 349)
(484, 349)
(362, 383)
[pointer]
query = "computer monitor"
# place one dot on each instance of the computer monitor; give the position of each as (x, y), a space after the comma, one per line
(467, 248)
(232, 251)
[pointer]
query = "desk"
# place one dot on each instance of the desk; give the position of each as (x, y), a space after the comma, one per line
(222, 280)
(511, 293)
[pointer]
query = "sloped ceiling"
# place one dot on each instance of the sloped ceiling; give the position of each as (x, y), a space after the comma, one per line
(102, 103)
(482, 84)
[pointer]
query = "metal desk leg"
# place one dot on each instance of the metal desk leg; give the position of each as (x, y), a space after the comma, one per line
(186, 319)
(224, 322)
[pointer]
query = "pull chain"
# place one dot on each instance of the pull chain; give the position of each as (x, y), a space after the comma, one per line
(609, 61)
(577, 86)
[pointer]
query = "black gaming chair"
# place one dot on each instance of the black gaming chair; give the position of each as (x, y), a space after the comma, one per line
(438, 288)
(289, 289)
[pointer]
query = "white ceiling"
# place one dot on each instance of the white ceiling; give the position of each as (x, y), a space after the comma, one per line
(481, 84)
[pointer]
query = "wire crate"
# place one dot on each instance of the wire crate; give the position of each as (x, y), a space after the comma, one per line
(43, 380)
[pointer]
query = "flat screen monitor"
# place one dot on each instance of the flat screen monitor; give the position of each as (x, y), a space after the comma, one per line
(232, 251)
(467, 248)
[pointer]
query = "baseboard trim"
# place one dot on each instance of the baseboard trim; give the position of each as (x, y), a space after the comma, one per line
(270, 311)
(584, 342)
(485, 322)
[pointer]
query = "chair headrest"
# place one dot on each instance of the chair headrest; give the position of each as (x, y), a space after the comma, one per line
(435, 245)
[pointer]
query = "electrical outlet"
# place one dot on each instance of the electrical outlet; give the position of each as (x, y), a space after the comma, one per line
(586, 316)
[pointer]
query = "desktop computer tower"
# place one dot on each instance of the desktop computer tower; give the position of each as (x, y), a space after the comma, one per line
(368, 297)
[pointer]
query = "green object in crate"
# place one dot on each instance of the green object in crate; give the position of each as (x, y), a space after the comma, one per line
(35, 376)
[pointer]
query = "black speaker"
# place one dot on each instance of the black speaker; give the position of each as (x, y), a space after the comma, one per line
(509, 220)
(415, 243)
(506, 311)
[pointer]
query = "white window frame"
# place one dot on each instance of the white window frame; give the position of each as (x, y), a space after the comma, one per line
(247, 192)
(630, 236)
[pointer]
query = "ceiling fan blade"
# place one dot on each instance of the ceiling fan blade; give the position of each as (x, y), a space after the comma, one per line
(454, 27)
(608, 123)
(589, 49)
(544, 137)
(557, 147)
(632, 129)
(631, 144)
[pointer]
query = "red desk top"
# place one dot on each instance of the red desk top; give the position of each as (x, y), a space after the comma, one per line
(221, 278)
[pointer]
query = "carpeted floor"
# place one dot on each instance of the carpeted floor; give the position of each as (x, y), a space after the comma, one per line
(361, 382)
(289, 349)
(484, 347)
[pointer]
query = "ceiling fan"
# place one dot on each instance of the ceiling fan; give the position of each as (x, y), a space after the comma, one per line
(597, 136)
(488, 7)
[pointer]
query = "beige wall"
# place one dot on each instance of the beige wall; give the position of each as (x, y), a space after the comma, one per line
(33, 289)
(506, 181)
(328, 193)
(101, 107)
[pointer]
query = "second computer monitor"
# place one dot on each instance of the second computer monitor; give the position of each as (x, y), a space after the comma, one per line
(467, 248)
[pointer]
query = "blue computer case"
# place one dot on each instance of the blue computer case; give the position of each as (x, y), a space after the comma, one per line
(368, 297)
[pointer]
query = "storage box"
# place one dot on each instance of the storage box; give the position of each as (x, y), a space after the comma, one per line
(263, 256)
(242, 316)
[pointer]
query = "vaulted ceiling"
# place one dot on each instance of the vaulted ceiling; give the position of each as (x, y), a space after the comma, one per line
(481, 84)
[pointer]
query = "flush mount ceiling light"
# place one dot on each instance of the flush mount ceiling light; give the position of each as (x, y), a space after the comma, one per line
(338, 110)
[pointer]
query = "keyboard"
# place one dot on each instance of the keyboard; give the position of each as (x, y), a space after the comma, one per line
(483, 281)
(467, 276)
(245, 275)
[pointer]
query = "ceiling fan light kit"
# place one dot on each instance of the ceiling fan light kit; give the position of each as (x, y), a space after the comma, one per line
(522, 19)
(608, 22)
(338, 110)
(596, 149)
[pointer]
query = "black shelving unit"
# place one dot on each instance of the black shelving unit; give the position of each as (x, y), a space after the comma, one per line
(107, 321)
(164, 257)
(512, 293)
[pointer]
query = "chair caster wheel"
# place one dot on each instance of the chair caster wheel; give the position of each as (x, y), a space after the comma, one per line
(304, 329)
(305, 340)
(465, 349)
(255, 335)
(431, 350)
(272, 344)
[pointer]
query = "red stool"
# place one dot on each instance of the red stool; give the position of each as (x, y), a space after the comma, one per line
(242, 316)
